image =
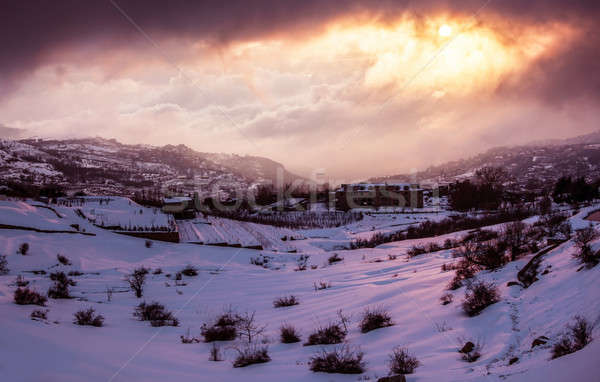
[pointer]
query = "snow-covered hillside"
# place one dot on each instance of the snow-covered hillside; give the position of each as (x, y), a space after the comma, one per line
(125, 349)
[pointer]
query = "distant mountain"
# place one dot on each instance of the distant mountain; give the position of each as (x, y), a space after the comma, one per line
(534, 166)
(106, 166)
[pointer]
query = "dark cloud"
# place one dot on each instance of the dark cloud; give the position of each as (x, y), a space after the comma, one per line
(31, 30)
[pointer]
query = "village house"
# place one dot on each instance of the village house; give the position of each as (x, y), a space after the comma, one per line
(376, 195)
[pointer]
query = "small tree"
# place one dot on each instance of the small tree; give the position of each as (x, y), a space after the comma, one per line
(248, 328)
(136, 281)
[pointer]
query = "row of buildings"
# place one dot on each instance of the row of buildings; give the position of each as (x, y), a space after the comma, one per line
(375, 195)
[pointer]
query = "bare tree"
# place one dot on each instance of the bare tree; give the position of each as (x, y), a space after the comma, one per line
(248, 328)
(136, 281)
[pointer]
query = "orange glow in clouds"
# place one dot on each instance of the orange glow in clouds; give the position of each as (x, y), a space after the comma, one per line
(449, 55)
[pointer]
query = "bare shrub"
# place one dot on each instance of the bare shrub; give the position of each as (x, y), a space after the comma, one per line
(335, 258)
(157, 271)
(23, 249)
(402, 362)
(464, 271)
(392, 257)
(447, 298)
(136, 281)
(60, 289)
(488, 255)
(288, 334)
(342, 359)
(148, 243)
(224, 328)
(88, 317)
(290, 300)
(375, 318)
(26, 296)
(578, 336)
(189, 271)
(156, 314)
(478, 296)
(327, 335)
(250, 355)
(3, 265)
(416, 250)
(582, 240)
(64, 260)
(39, 314)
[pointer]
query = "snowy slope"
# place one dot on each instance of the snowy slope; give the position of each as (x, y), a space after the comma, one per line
(129, 350)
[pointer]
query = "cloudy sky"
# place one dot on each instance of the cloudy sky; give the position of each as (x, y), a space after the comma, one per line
(349, 88)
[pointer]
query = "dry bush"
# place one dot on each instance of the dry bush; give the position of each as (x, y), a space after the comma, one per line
(402, 362)
(335, 258)
(64, 260)
(60, 289)
(39, 314)
(464, 271)
(341, 359)
(224, 328)
(327, 335)
(578, 336)
(148, 243)
(156, 314)
(582, 240)
(478, 296)
(374, 319)
(26, 296)
(288, 334)
(88, 317)
(416, 250)
(189, 271)
(281, 302)
(250, 355)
